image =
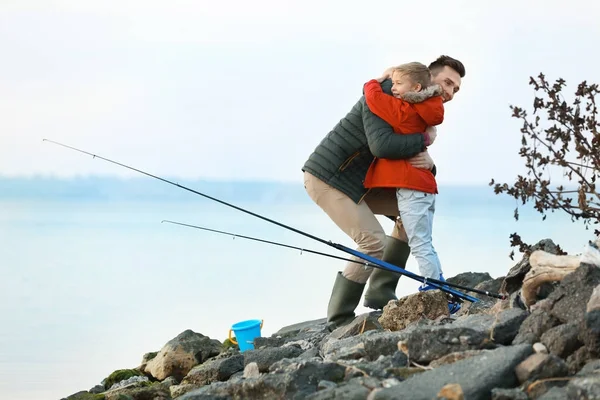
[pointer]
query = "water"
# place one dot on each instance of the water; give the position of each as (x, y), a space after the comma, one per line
(91, 280)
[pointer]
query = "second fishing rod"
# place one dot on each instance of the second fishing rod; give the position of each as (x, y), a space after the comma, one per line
(320, 253)
(374, 262)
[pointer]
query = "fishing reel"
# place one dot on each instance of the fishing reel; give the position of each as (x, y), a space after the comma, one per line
(454, 303)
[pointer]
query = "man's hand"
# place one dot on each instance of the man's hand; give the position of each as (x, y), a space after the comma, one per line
(432, 131)
(422, 160)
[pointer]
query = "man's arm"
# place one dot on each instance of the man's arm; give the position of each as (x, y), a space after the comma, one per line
(389, 108)
(382, 140)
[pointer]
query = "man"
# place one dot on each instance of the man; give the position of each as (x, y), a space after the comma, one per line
(333, 178)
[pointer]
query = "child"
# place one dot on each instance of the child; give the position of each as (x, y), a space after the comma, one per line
(415, 106)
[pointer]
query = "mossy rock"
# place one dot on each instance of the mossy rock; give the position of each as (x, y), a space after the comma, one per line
(152, 391)
(149, 356)
(228, 344)
(120, 375)
(84, 395)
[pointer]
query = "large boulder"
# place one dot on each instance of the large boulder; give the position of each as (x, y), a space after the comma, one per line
(400, 313)
(477, 376)
(181, 354)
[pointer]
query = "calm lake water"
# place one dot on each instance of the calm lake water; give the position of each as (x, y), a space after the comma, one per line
(92, 280)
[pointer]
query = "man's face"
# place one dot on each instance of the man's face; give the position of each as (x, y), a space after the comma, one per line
(449, 80)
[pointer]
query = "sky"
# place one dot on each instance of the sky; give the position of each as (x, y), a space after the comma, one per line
(246, 90)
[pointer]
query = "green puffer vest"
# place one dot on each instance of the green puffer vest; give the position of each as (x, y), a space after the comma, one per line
(343, 157)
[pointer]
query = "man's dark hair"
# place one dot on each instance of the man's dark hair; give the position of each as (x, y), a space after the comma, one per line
(447, 61)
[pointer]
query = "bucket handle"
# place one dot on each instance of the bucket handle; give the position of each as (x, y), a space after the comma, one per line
(232, 340)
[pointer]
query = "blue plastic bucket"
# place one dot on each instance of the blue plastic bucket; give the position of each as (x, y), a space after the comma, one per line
(245, 333)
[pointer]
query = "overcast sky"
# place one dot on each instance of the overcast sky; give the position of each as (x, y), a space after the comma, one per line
(247, 89)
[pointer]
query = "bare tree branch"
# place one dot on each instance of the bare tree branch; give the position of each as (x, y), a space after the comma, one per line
(568, 131)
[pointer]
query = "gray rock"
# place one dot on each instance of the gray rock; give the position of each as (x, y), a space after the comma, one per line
(360, 324)
(454, 357)
(534, 326)
(540, 366)
(514, 278)
(546, 289)
(354, 388)
(591, 332)
(134, 392)
(205, 393)
(483, 306)
(508, 325)
(288, 379)
(326, 385)
(501, 328)
(491, 285)
(577, 360)
(97, 389)
(251, 371)
(555, 393)
(592, 367)
(292, 330)
(509, 394)
(262, 342)
(540, 388)
(351, 391)
(470, 279)
(310, 353)
(215, 370)
(305, 335)
(562, 340)
(170, 381)
(477, 376)
(430, 343)
(384, 367)
(365, 381)
(587, 387)
(571, 297)
(311, 336)
(371, 345)
(131, 381)
(264, 358)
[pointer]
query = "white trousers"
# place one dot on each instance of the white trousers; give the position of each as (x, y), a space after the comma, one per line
(416, 211)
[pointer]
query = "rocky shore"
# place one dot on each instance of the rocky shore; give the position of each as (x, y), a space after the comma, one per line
(413, 349)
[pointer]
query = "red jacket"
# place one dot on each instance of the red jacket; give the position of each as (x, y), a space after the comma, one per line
(405, 118)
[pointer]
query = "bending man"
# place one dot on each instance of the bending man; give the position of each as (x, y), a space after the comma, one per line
(333, 178)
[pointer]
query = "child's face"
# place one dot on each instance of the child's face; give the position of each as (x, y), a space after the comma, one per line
(402, 84)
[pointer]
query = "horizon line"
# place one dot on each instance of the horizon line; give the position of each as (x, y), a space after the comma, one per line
(119, 177)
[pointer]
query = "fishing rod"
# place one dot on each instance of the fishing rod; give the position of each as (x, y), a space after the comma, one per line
(302, 250)
(371, 260)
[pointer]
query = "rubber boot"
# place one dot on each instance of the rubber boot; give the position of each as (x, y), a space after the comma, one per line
(345, 297)
(382, 283)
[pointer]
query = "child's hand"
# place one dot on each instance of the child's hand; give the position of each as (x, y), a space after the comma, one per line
(432, 131)
(387, 74)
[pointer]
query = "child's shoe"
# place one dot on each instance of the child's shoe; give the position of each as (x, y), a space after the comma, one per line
(453, 306)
